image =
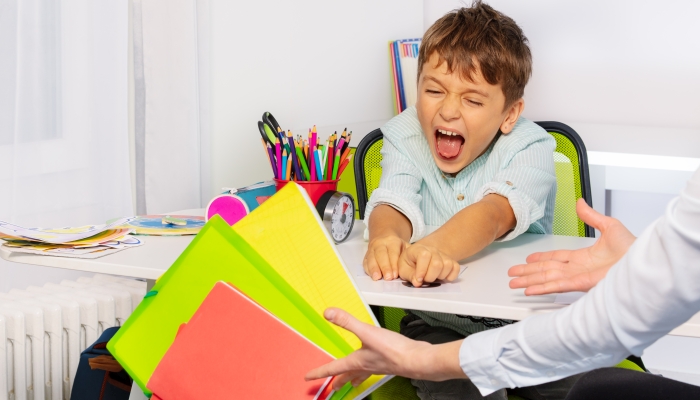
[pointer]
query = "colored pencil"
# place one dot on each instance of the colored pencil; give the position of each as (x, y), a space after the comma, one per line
(284, 164)
(345, 164)
(341, 143)
(278, 158)
(289, 168)
(317, 163)
(312, 156)
(300, 156)
(272, 159)
(347, 142)
(329, 166)
(344, 155)
(336, 161)
(295, 160)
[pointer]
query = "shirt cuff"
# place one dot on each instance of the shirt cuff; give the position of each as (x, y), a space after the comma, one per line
(525, 210)
(480, 364)
(400, 204)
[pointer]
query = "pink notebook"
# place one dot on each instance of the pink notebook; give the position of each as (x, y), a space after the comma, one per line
(233, 348)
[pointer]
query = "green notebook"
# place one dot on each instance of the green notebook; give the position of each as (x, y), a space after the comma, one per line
(216, 254)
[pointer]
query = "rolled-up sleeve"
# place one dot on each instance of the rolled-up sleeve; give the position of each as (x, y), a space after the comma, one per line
(528, 181)
(399, 188)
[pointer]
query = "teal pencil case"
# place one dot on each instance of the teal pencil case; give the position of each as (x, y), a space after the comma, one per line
(253, 195)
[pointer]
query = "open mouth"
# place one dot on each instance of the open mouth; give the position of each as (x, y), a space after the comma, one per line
(448, 144)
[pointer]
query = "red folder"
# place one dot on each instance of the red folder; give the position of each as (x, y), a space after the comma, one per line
(234, 349)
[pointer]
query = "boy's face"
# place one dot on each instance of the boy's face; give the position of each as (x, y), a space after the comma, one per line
(460, 118)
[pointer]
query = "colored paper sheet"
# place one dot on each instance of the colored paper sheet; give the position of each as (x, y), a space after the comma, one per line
(288, 232)
(216, 254)
(232, 345)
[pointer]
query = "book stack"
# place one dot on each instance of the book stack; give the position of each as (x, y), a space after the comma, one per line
(404, 66)
(251, 298)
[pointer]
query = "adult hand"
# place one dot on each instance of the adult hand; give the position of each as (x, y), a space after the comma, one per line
(575, 270)
(382, 257)
(420, 263)
(384, 352)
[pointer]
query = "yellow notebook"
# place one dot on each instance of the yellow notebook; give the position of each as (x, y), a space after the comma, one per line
(287, 231)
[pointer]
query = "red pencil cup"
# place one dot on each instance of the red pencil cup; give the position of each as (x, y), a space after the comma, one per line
(315, 189)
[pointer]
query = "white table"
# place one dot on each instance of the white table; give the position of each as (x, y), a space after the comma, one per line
(482, 290)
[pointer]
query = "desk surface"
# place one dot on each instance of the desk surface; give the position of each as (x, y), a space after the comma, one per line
(481, 290)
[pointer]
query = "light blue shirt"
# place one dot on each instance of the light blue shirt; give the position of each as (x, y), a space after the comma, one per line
(518, 166)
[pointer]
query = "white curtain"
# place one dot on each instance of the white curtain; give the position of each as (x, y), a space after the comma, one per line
(171, 90)
(64, 152)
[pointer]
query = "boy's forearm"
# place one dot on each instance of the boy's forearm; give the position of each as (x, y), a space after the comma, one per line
(473, 228)
(385, 220)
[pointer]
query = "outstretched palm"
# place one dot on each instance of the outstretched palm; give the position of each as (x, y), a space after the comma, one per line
(574, 270)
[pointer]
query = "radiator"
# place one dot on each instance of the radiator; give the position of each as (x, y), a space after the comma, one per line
(44, 329)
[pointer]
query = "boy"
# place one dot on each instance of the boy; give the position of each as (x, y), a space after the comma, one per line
(462, 159)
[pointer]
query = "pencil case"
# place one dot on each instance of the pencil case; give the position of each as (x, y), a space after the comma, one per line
(234, 204)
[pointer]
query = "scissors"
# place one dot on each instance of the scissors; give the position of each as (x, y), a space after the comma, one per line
(269, 128)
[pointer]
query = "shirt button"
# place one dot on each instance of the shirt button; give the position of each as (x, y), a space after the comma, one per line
(509, 183)
(460, 197)
(550, 373)
(494, 382)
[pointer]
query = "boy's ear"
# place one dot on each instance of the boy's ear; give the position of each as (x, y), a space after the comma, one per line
(512, 114)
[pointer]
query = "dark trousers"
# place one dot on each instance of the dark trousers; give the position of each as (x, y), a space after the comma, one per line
(624, 384)
(415, 328)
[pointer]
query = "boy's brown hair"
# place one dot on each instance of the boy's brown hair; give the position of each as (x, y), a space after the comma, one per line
(482, 39)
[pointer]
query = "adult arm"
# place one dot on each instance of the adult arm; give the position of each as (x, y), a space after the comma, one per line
(654, 288)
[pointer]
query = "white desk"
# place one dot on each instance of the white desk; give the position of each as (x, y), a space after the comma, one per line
(482, 290)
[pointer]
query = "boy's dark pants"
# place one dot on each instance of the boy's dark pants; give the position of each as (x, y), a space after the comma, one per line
(415, 328)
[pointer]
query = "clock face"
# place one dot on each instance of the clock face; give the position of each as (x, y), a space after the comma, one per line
(342, 218)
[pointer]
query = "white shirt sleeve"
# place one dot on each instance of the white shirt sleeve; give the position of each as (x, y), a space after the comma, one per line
(654, 288)
(399, 187)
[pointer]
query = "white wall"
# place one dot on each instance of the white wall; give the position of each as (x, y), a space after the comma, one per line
(308, 62)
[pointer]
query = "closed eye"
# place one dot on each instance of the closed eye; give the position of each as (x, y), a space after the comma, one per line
(432, 91)
(476, 103)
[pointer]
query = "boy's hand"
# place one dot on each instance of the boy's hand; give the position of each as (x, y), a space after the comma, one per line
(382, 257)
(419, 263)
(575, 270)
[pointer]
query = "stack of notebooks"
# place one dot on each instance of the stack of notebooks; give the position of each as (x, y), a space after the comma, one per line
(240, 313)
(404, 66)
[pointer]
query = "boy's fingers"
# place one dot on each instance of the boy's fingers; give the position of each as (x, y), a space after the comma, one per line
(406, 270)
(394, 254)
(435, 267)
(372, 269)
(446, 269)
(455, 271)
(381, 254)
(422, 265)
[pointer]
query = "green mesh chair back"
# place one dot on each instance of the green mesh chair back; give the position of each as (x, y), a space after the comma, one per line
(573, 180)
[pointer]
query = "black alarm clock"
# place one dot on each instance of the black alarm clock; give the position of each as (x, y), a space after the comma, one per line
(337, 210)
